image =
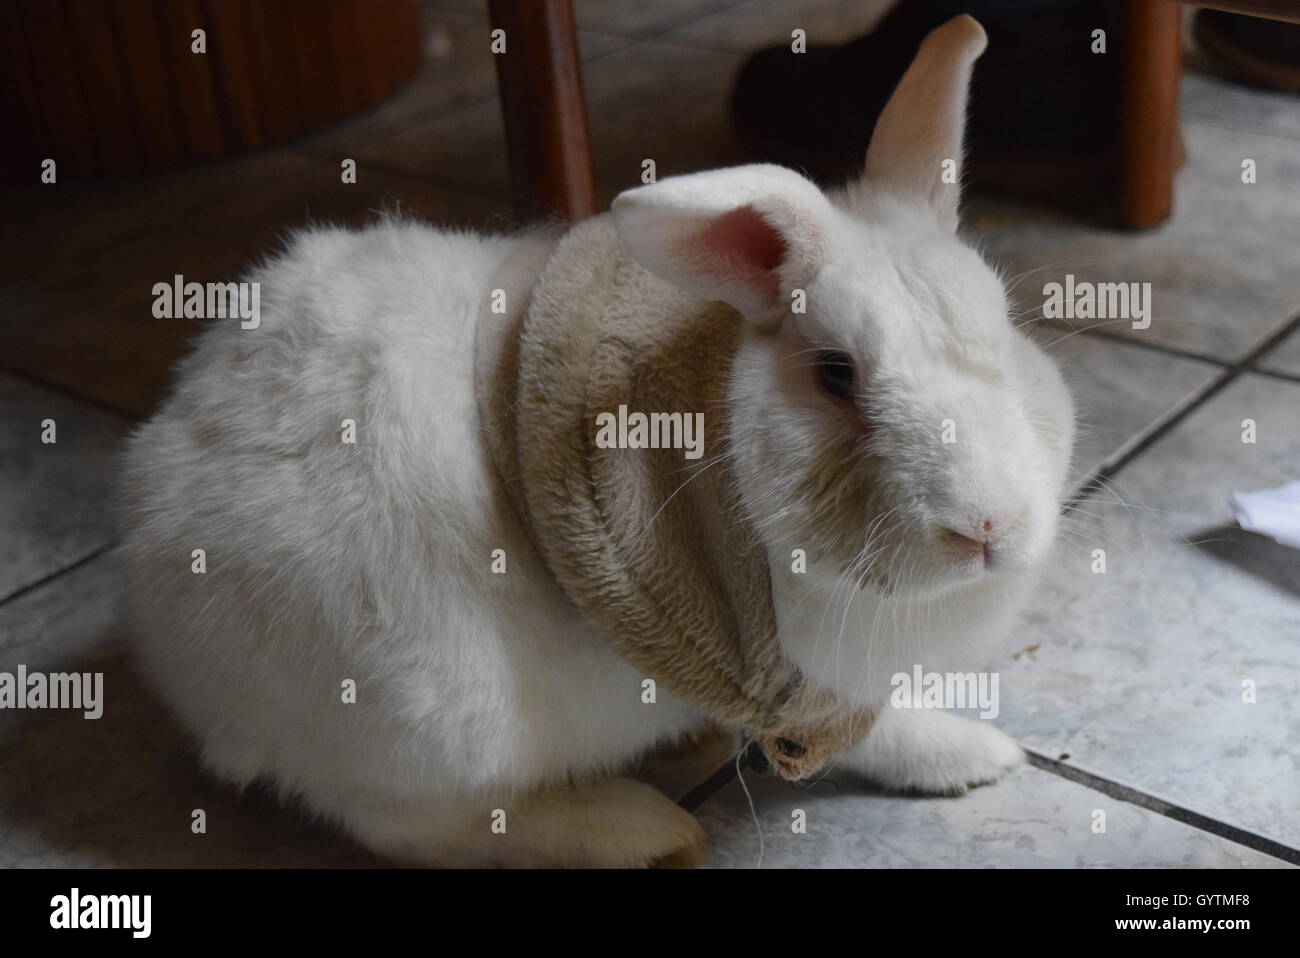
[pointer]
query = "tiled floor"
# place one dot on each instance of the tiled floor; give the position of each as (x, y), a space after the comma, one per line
(1227, 235)
(1126, 686)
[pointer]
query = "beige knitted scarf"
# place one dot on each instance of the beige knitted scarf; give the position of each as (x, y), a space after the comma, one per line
(654, 548)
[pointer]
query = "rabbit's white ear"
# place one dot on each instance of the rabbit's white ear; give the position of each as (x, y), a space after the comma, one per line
(917, 144)
(744, 235)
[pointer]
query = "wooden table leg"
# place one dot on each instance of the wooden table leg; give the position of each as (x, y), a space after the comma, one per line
(545, 111)
(1149, 118)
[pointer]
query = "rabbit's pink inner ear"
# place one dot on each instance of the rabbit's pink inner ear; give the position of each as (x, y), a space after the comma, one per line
(739, 245)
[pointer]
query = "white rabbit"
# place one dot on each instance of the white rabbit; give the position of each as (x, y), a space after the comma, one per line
(486, 700)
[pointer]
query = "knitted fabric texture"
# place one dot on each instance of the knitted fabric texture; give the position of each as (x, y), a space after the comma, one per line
(652, 547)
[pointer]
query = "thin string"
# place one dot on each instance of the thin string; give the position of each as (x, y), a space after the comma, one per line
(750, 798)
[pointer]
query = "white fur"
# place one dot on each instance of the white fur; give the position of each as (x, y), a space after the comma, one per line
(476, 692)
(368, 562)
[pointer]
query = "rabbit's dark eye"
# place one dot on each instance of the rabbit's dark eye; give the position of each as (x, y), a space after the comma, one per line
(835, 373)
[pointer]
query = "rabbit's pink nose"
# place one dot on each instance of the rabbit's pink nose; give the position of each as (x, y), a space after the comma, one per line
(987, 526)
(974, 542)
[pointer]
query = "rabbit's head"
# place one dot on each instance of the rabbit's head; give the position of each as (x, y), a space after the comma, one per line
(886, 416)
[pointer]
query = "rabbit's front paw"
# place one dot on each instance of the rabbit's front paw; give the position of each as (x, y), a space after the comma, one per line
(924, 750)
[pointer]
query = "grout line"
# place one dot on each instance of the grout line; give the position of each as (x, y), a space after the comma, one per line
(50, 577)
(68, 393)
(687, 44)
(1276, 374)
(663, 29)
(178, 217)
(706, 789)
(1220, 123)
(317, 152)
(1095, 332)
(1270, 341)
(723, 775)
(1110, 468)
(305, 147)
(1229, 375)
(386, 168)
(1154, 431)
(1154, 346)
(627, 41)
(1178, 813)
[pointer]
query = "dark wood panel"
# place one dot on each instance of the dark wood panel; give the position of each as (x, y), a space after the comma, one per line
(58, 92)
(103, 86)
(153, 113)
(236, 72)
(111, 86)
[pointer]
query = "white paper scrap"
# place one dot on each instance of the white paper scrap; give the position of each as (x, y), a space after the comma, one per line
(1271, 512)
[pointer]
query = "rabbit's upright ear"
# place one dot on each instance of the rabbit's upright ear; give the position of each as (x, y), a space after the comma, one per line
(745, 235)
(917, 145)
